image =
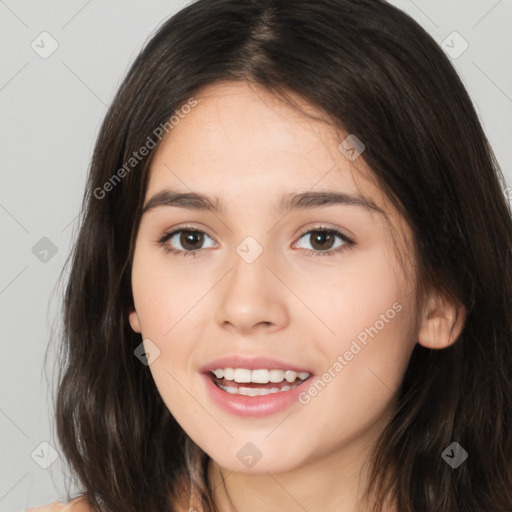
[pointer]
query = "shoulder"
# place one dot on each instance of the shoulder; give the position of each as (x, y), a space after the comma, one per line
(76, 505)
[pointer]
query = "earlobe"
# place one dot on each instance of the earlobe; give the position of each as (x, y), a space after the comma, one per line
(441, 324)
(134, 321)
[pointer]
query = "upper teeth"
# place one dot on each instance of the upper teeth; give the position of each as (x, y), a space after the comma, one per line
(259, 376)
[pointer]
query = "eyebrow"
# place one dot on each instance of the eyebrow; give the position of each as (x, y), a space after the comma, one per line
(301, 201)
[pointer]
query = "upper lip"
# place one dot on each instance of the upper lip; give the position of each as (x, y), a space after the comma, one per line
(251, 363)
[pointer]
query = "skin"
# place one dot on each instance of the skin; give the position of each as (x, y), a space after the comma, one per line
(244, 146)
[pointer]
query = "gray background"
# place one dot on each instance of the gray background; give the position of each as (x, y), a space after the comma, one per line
(51, 112)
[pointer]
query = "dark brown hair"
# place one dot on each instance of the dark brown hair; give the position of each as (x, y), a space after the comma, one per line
(375, 72)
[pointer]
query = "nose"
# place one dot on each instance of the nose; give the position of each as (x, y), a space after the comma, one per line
(251, 298)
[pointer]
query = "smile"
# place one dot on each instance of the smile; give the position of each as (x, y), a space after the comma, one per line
(243, 381)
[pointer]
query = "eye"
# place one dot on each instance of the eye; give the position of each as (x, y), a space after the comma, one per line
(323, 240)
(191, 241)
(188, 238)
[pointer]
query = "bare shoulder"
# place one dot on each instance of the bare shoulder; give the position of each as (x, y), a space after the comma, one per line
(53, 507)
(76, 505)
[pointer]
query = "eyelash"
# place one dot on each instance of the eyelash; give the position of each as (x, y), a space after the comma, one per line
(348, 243)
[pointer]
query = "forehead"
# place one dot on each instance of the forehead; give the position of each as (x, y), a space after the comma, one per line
(241, 136)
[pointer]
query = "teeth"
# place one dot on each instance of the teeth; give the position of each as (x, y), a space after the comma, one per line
(276, 375)
(242, 375)
(260, 376)
(255, 391)
(290, 376)
(219, 373)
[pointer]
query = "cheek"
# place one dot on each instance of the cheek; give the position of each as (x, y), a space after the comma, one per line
(352, 297)
(168, 306)
(164, 295)
(358, 387)
(370, 311)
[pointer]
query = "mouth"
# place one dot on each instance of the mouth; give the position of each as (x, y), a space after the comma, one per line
(250, 386)
(257, 382)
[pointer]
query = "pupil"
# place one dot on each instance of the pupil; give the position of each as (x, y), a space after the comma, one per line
(189, 238)
(321, 237)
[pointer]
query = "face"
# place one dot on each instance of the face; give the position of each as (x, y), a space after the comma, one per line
(259, 288)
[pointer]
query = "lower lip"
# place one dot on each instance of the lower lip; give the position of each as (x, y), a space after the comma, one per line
(262, 405)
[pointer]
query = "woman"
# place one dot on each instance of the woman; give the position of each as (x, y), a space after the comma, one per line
(245, 373)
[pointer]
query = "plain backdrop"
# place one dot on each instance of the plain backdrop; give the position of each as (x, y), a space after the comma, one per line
(51, 109)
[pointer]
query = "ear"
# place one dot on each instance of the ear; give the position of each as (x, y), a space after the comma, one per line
(134, 321)
(441, 323)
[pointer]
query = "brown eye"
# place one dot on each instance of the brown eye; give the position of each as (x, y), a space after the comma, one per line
(323, 240)
(190, 239)
(186, 242)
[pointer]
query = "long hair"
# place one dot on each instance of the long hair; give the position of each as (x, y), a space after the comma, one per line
(374, 72)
